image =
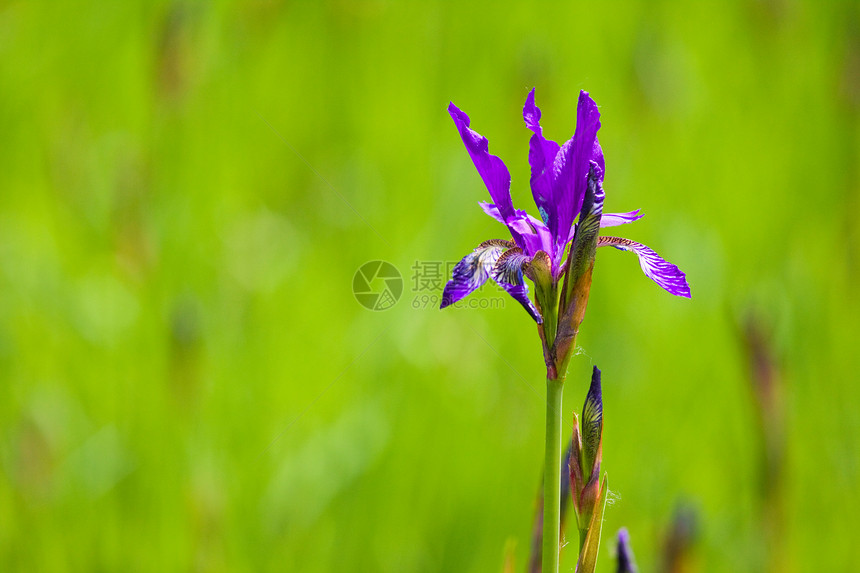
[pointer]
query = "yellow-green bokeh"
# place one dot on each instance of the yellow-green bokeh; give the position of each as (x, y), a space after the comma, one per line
(187, 188)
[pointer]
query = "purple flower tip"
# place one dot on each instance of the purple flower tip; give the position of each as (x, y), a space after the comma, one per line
(595, 393)
(625, 553)
(583, 95)
(457, 114)
(531, 113)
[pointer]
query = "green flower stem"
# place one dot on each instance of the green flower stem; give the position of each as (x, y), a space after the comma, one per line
(552, 475)
(550, 314)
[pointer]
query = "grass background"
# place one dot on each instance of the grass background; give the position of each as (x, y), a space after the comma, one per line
(186, 189)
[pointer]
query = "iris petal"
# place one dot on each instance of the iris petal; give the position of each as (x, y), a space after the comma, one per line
(615, 219)
(492, 211)
(473, 270)
(661, 271)
(542, 153)
(535, 234)
(492, 169)
(508, 273)
(573, 161)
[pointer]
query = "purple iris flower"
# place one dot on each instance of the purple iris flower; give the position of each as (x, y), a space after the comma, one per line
(560, 176)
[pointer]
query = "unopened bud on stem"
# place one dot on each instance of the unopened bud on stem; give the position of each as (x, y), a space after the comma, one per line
(586, 457)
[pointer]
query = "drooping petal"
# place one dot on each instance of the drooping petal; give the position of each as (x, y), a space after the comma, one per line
(662, 272)
(492, 170)
(615, 219)
(542, 154)
(572, 163)
(473, 270)
(508, 273)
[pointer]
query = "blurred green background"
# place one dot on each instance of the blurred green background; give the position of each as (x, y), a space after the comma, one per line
(186, 190)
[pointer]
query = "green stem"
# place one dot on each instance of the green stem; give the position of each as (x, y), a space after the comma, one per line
(550, 317)
(552, 476)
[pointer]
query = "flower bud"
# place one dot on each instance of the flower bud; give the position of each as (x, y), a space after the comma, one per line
(592, 427)
(586, 454)
(624, 553)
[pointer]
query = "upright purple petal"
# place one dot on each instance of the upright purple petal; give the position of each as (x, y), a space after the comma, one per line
(597, 155)
(491, 168)
(662, 272)
(531, 114)
(473, 271)
(492, 211)
(615, 219)
(573, 160)
(508, 273)
(542, 154)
